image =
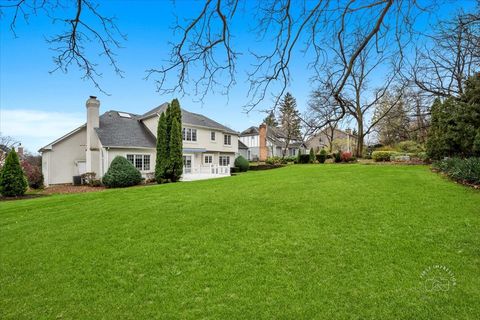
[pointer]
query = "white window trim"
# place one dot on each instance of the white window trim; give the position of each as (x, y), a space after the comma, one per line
(224, 156)
(193, 159)
(208, 154)
(213, 140)
(190, 141)
(226, 135)
(143, 160)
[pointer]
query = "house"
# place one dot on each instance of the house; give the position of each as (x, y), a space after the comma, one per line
(267, 141)
(209, 148)
(332, 139)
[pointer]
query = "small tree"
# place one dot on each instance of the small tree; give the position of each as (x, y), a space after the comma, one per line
(121, 174)
(299, 156)
(13, 182)
(162, 147)
(312, 155)
(33, 174)
(175, 169)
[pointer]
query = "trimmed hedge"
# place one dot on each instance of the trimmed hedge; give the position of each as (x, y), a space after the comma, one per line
(242, 164)
(121, 174)
(322, 156)
(463, 170)
(378, 156)
(303, 158)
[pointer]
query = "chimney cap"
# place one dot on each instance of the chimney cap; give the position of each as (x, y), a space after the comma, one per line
(93, 97)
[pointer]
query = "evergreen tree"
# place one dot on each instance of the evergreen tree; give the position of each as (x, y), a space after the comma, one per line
(13, 182)
(312, 155)
(162, 147)
(175, 169)
(289, 120)
(455, 124)
(270, 120)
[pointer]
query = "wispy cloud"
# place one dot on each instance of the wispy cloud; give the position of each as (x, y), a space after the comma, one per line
(35, 128)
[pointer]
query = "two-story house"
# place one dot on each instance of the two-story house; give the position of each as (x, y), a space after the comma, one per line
(209, 148)
(267, 141)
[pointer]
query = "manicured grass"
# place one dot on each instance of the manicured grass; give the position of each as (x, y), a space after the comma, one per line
(304, 241)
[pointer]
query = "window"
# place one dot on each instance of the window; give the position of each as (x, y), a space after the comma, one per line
(140, 161)
(212, 135)
(189, 134)
(208, 159)
(224, 160)
(227, 139)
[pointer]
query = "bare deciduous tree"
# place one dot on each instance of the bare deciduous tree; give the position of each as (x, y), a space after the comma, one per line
(83, 24)
(452, 55)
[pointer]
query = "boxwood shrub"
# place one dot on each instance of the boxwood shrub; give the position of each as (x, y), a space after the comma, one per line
(121, 174)
(378, 156)
(242, 164)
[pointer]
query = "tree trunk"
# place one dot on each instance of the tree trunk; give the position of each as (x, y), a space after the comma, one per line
(360, 137)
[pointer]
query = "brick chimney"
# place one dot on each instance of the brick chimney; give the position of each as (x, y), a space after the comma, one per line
(20, 152)
(263, 152)
(93, 121)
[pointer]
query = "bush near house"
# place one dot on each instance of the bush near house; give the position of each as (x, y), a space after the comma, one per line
(322, 156)
(346, 157)
(121, 174)
(303, 158)
(337, 157)
(242, 164)
(33, 174)
(463, 170)
(382, 156)
(13, 182)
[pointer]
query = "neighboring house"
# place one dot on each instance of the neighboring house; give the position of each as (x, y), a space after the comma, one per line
(332, 140)
(242, 149)
(267, 141)
(209, 148)
(4, 150)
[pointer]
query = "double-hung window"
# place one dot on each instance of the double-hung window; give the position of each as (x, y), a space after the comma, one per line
(224, 160)
(212, 135)
(140, 161)
(189, 134)
(208, 159)
(227, 139)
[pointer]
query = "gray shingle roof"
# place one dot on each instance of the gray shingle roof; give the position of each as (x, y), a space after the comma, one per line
(250, 131)
(117, 131)
(191, 118)
(241, 145)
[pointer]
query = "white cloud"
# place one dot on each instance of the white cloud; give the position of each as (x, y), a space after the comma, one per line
(35, 128)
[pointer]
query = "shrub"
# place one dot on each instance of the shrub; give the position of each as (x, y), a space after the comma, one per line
(409, 147)
(242, 164)
(13, 182)
(273, 160)
(346, 156)
(464, 170)
(322, 156)
(290, 159)
(34, 175)
(337, 157)
(304, 158)
(378, 156)
(121, 174)
(312, 156)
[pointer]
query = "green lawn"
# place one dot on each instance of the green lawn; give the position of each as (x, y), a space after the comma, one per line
(312, 241)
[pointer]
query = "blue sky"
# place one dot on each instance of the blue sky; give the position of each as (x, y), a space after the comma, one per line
(37, 107)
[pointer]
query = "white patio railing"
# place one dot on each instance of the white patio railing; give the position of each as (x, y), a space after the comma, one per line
(205, 172)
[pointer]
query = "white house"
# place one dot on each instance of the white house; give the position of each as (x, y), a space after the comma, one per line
(209, 148)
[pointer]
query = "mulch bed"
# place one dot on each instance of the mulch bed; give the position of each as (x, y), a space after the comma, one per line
(64, 189)
(461, 182)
